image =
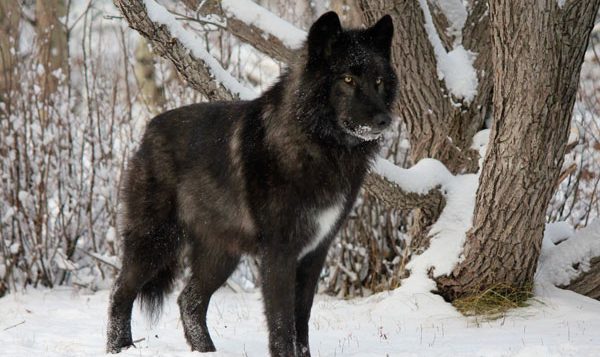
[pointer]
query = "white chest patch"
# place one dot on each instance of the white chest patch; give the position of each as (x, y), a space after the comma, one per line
(324, 221)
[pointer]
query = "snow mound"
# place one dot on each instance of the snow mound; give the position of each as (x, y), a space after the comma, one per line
(561, 263)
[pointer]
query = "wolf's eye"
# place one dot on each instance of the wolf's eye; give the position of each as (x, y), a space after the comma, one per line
(348, 79)
(378, 81)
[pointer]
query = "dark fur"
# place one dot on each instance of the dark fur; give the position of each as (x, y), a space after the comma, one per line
(213, 181)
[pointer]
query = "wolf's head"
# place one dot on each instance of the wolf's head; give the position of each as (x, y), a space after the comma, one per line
(354, 75)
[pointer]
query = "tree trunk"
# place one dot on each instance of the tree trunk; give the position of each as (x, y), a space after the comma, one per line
(538, 50)
(10, 13)
(439, 126)
(145, 74)
(52, 41)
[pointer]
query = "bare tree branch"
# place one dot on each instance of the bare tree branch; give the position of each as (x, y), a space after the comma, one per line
(391, 196)
(194, 70)
(264, 42)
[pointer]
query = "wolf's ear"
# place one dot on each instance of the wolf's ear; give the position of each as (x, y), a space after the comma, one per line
(381, 33)
(321, 36)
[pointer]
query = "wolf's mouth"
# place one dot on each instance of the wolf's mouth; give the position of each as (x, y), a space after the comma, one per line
(363, 132)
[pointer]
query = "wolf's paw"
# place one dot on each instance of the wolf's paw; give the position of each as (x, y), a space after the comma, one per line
(203, 346)
(118, 346)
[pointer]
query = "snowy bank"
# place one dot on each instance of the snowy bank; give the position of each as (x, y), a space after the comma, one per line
(64, 322)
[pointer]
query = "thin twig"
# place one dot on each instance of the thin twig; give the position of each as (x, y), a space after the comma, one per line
(99, 258)
(15, 325)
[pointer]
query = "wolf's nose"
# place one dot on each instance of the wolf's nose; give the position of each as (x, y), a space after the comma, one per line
(382, 121)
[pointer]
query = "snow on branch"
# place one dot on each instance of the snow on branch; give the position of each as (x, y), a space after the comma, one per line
(421, 178)
(196, 45)
(185, 50)
(449, 231)
(456, 14)
(256, 26)
(255, 15)
(454, 67)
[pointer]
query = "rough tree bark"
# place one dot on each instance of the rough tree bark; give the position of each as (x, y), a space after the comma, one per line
(538, 50)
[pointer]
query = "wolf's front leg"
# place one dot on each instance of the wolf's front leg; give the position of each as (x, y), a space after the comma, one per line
(307, 276)
(278, 271)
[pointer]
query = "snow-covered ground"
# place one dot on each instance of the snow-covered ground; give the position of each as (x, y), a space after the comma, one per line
(65, 322)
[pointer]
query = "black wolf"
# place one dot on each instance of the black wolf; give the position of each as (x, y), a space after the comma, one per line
(274, 177)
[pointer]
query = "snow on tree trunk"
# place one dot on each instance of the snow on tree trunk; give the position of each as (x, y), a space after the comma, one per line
(538, 50)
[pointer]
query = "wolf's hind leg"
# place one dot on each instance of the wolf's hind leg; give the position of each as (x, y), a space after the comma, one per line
(148, 270)
(128, 284)
(210, 270)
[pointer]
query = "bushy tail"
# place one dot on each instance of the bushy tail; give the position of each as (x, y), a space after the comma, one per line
(153, 292)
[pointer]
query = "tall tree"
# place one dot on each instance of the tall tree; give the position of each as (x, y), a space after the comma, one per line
(538, 48)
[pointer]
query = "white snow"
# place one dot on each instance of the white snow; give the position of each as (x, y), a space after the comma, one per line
(196, 45)
(556, 232)
(456, 13)
(454, 67)
(458, 72)
(560, 263)
(65, 322)
(253, 14)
